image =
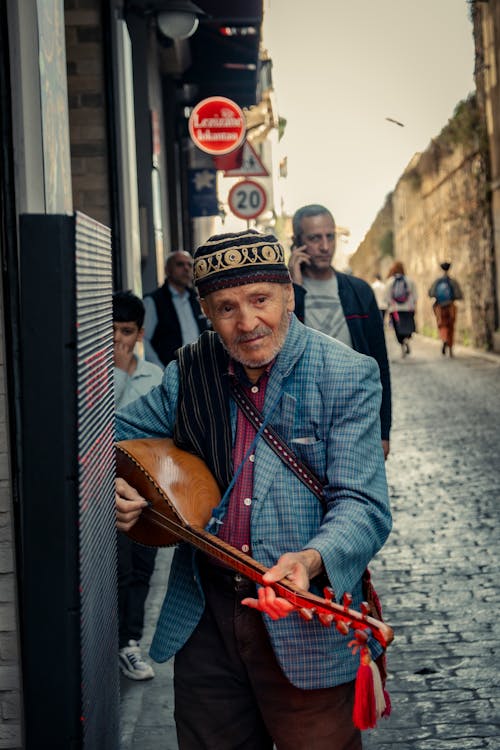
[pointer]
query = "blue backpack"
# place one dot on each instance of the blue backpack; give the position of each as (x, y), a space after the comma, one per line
(400, 291)
(444, 291)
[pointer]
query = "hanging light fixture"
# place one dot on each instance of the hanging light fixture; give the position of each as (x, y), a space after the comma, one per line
(180, 20)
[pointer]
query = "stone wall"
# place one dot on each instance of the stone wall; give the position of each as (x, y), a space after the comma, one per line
(374, 255)
(441, 211)
(486, 23)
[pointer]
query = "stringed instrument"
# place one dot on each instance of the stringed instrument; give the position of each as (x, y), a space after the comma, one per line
(182, 494)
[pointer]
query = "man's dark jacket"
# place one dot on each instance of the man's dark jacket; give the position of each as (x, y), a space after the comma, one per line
(367, 332)
(167, 337)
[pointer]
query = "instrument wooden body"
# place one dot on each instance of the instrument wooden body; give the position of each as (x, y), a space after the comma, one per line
(182, 494)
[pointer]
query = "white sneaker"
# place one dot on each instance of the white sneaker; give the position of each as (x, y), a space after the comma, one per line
(132, 663)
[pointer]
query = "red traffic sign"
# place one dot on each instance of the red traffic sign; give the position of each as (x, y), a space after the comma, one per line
(247, 199)
(217, 125)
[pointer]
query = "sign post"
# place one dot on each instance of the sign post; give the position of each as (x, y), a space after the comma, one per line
(247, 199)
(217, 125)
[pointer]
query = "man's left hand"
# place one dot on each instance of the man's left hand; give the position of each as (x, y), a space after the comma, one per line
(296, 567)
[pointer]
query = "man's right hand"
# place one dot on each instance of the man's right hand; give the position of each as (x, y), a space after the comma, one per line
(298, 257)
(128, 505)
(123, 355)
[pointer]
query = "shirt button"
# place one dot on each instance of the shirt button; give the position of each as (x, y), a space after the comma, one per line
(251, 458)
(255, 389)
(247, 501)
(245, 548)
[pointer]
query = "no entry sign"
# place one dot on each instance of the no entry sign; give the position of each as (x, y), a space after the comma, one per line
(217, 125)
(247, 199)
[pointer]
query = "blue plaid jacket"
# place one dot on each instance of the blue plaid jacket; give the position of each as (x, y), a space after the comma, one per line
(329, 414)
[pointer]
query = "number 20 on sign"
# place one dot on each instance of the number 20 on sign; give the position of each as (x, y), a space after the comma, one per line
(247, 199)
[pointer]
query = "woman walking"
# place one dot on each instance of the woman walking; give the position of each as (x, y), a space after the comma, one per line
(401, 296)
(445, 291)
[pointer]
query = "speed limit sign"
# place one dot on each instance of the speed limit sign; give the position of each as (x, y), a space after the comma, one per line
(247, 199)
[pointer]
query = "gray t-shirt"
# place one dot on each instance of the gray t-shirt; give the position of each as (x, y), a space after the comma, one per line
(323, 309)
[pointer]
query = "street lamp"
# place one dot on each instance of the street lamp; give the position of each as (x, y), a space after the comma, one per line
(180, 20)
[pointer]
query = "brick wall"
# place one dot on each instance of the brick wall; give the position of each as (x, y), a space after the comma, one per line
(87, 108)
(10, 689)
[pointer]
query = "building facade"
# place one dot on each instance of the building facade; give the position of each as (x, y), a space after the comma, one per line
(94, 192)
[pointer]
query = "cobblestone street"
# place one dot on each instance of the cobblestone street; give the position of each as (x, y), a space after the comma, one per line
(437, 575)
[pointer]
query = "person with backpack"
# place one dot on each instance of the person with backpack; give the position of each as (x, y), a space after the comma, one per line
(445, 291)
(401, 297)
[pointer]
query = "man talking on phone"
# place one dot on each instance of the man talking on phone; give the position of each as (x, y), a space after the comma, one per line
(342, 306)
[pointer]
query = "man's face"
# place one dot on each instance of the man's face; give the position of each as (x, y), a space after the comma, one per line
(180, 269)
(252, 321)
(318, 236)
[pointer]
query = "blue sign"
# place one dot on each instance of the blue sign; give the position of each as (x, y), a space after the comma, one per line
(203, 192)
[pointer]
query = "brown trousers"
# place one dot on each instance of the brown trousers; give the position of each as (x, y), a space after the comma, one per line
(445, 318)
(231, 693)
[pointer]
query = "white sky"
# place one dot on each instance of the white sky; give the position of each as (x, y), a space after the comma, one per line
(340, 67)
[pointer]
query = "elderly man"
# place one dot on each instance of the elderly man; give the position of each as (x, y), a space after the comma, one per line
(173, 314)
(249, 672)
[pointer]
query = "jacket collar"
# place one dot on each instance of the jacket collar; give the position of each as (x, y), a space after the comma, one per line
(293, 347)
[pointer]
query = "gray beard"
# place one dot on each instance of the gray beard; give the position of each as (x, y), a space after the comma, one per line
(281, 335)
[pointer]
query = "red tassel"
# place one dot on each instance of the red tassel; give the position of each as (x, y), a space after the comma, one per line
(364, 714)
(369, 696)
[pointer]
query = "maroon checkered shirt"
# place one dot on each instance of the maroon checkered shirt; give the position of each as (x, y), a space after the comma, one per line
(235, 529)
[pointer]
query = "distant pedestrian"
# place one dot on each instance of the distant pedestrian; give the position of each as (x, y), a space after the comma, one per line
(173, 313)
(378, 287)
(445, 291)
(401, 298)
(133, 377)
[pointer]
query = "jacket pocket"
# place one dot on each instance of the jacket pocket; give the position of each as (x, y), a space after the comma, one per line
(313, 454)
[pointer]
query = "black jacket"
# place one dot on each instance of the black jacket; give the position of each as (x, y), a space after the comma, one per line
(367, 332)
(167, 337)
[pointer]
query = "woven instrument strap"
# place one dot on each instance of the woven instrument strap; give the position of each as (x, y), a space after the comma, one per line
(276, 442)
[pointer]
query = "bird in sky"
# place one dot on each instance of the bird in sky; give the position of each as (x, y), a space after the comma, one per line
(396, 122)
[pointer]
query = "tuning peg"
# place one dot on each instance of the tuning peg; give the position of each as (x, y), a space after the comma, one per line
(347, 600)
(329, 593)
(365, 608)
(342, 627)
(307, 614)
(325, 619)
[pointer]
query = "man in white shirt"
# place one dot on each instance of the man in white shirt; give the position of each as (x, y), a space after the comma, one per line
(338, 304)
(173, 314)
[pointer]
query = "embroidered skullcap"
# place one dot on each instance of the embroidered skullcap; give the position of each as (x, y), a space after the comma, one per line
(237, 258)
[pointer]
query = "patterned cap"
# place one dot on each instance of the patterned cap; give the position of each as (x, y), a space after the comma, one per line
(238, 258)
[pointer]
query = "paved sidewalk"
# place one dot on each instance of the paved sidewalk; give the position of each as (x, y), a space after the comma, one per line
(437, 575)
(147, 721)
